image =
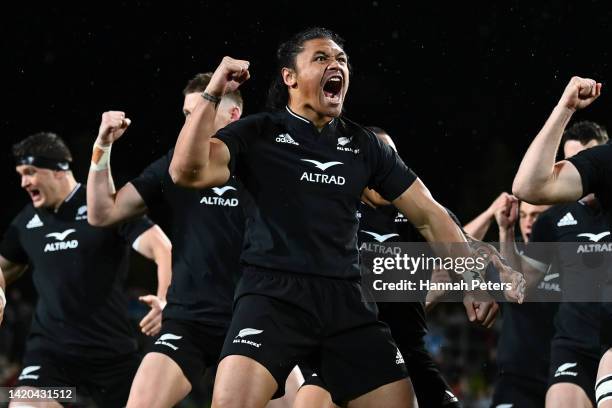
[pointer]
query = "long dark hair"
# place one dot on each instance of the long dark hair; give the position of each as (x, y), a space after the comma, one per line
(278, 95)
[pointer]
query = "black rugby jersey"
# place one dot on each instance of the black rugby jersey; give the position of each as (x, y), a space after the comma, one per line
(306, 187)
(581, 262)
(528, 328)
(386, 225)
(78, 272)
(595, 168)
(207, 229)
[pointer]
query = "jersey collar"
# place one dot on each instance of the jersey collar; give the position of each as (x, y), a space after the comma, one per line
(303, 119)
(67, 201)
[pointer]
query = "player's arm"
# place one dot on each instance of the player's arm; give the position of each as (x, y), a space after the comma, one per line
(155, 245)
(539, 180)
(506, 218)
(9, 272)
(479, 226)
(105, 206)
(198, 160)
(435, 224)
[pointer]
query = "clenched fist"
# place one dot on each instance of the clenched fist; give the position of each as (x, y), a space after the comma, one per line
(228, 76)
(112, 126)
(580, 93)
(507, 214)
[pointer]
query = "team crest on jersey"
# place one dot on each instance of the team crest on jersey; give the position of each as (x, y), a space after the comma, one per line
(61, 243)
(81, 213)
(342, 145)
(219, 199)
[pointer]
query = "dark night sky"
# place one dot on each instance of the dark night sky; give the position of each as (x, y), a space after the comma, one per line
(462, 88)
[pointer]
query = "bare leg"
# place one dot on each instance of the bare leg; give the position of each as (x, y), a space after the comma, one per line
(292, 385)
(159, 383)
(567, 395)
(242, 382)
(398, 394)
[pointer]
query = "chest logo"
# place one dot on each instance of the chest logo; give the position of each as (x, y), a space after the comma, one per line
(35, 222)
(594, 237)
(81, 213)
(285, 138)
(320, 177)
(323, 166)
(568, 219)
(342, 142)
(219, 200)
(60, 243)
(378, 237)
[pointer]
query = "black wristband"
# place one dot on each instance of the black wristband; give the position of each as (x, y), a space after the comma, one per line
(211, 98)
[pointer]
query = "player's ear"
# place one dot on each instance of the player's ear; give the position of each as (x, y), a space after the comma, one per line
(235, 113)
(289, 77)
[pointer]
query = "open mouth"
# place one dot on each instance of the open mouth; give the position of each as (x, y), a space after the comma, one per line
(35, 195)
(333, 87)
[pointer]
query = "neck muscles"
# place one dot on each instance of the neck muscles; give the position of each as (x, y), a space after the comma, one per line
(66, 189)
(306, 111)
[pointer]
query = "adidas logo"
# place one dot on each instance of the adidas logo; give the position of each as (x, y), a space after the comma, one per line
(562, 370)
(399, 359)
(568, 219)
(449, 397)
(285, 138)
(35, 222)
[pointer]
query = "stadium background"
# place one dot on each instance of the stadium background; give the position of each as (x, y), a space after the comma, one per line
(462, 87)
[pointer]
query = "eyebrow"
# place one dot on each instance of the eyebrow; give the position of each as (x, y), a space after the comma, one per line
(341, 53)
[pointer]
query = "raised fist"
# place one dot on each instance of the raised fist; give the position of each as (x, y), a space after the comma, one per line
(228, 76)
(112, 126)
(580, 93)
(507, 213)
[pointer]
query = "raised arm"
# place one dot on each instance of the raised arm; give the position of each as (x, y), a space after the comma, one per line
(435, 224)
(429, 217)
(532, 270)
(198, 160)
(105, 206)
(479, 226)
(155, 245)
(539, 180)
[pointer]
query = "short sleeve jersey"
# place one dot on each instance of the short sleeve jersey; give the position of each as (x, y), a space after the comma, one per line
(207, 229)
(580, 261)
(386, 225)
(306, 186)
(79, 273)
(516, 354)
(595, 168)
